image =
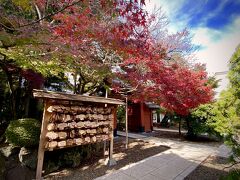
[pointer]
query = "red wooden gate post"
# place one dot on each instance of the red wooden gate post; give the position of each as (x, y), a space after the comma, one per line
(126, 122)
(142, 124)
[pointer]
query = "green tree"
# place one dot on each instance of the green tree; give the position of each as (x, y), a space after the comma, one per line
(200, 120)
(234, 72)
(227, 121)
(25, 56)
(213, 81)
(197, 121)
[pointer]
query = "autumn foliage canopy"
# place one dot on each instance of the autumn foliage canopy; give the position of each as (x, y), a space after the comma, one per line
(151, 61)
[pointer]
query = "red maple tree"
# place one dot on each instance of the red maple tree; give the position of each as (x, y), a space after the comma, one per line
(124, 28)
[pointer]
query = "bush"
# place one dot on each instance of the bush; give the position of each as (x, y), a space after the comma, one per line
(121, 118)
(23, 132)
(72, 157)
(233, 175)
(200, 121)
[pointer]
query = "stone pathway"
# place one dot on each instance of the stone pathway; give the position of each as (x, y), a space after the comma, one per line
(168, 130)
(133, 135)
(175, 163)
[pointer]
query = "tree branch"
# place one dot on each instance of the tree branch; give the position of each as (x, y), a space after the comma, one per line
(38, 12)
(44, 17)
(233, 164)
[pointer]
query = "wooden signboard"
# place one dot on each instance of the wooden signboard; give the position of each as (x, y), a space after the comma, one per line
(73, 120)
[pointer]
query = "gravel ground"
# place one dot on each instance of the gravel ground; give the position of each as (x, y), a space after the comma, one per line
(212, 168)
(137, 151)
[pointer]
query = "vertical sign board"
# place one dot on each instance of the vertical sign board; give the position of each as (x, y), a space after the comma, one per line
(73, 120)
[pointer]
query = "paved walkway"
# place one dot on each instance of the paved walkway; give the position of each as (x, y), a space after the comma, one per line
(168, 129)
(175, 163)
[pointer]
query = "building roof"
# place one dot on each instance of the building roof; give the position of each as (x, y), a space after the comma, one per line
(75, 97)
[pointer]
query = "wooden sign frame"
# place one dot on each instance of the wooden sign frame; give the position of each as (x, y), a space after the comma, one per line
(51, 98)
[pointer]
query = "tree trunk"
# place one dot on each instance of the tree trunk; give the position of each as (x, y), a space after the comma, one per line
(190, 133)
(75, 83)
(18, 95)
(82, 89)
(10, 84)
(179, 127)
(26, 105)
(28, 93)
(12, 93)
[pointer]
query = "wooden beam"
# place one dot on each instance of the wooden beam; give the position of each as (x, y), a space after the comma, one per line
(111, 161)
(41, 148)
(74, 97)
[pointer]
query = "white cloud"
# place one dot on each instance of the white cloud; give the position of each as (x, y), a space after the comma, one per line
(170, 9)
(218, 45)
(217, 52)
(204, 36)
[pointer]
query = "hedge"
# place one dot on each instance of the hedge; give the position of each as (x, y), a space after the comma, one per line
(23, 132)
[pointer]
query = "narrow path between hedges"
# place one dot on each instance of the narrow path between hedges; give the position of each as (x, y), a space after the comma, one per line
(176, 163)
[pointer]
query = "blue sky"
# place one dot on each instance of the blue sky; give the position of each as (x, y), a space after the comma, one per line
(214, 24)
(215, 14)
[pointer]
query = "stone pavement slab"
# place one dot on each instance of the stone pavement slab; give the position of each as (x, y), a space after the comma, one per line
(175, 163)
(189, 170)
(168, 172)
(116, 176)
(154, 162)
(139, 170)
(151, 177)
(132, 135)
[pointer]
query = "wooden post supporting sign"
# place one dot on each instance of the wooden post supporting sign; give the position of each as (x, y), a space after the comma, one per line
(41, 148)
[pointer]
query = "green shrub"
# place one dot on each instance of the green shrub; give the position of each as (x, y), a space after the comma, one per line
(121, 114)
(232, 175)
(23, 132)
(121, 118)
(71, 157)
(201, 120)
